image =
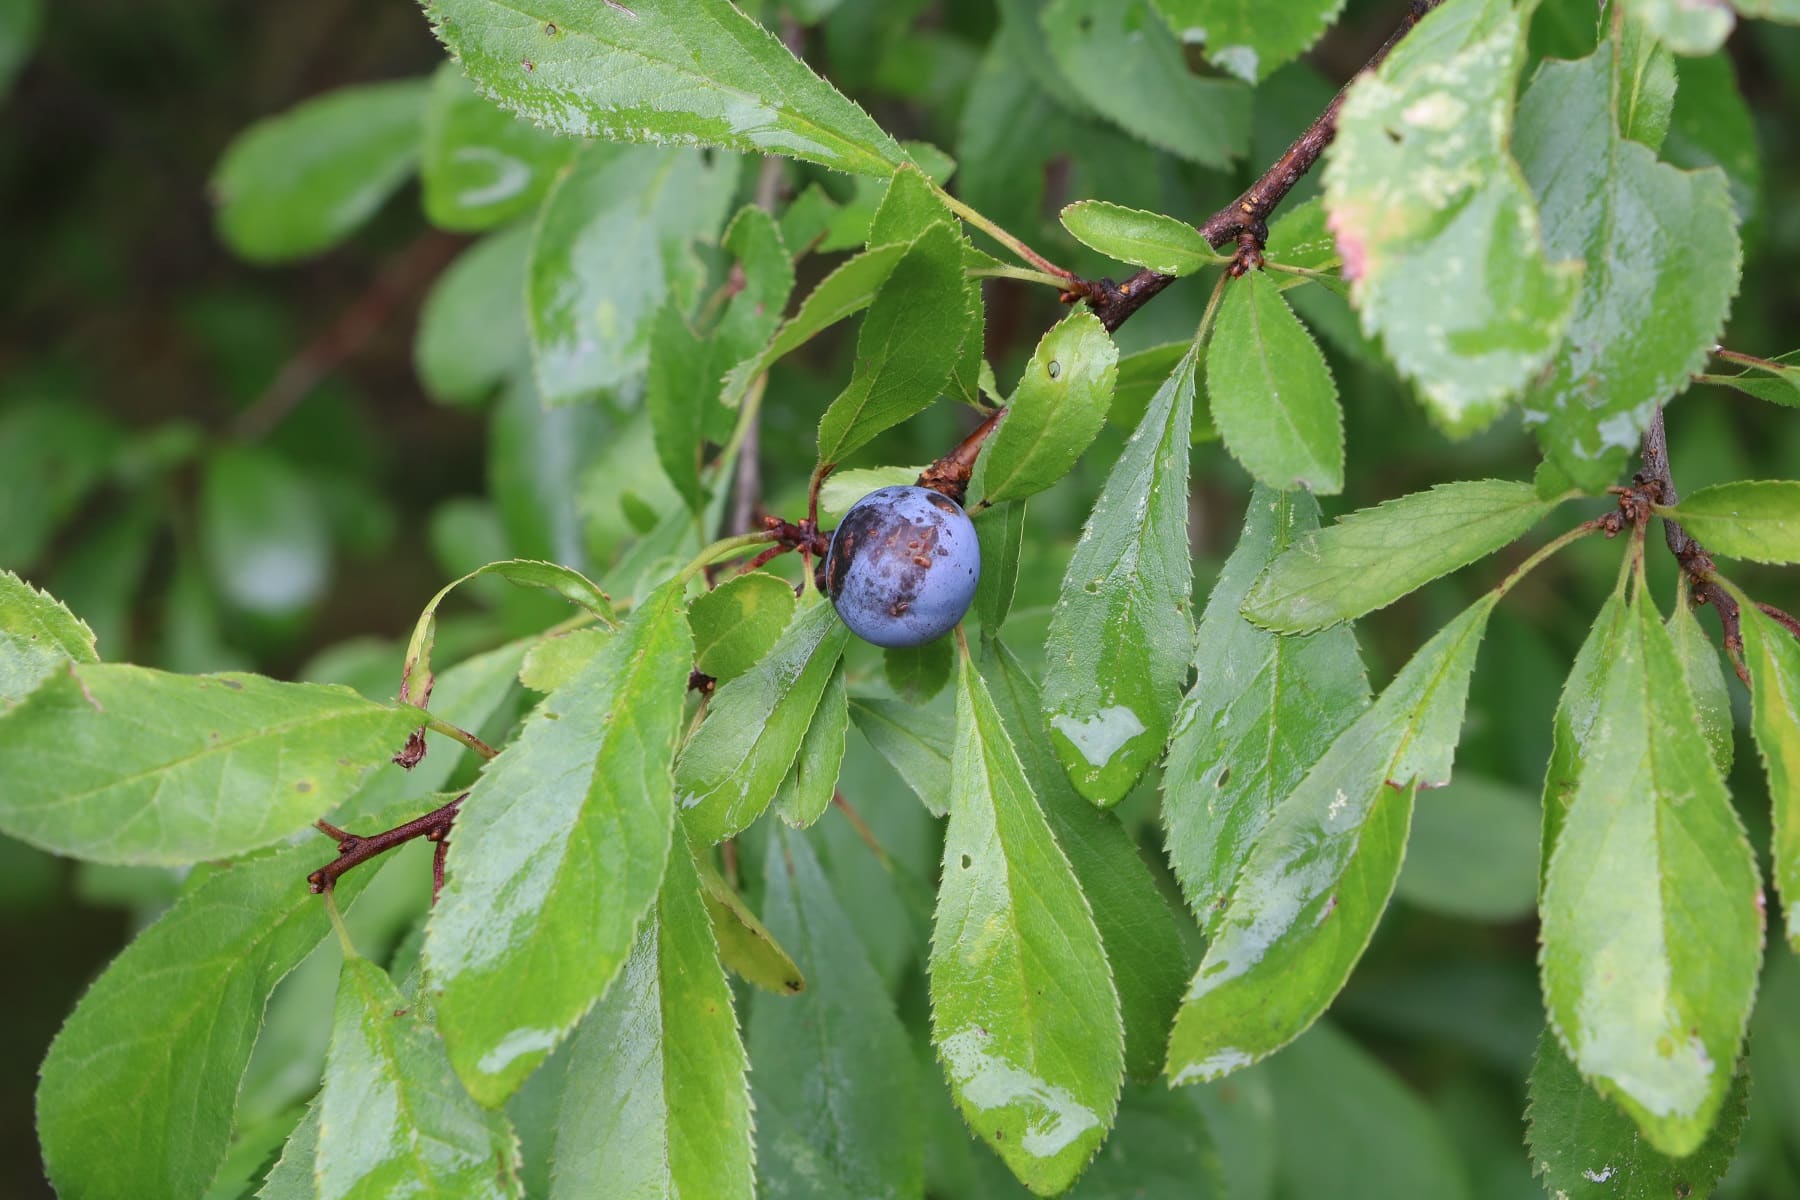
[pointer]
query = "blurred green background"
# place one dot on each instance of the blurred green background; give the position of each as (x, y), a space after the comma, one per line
(222, 465)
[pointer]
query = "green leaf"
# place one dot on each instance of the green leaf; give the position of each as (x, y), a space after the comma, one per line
(917, 673)
(137, 1094)
(656, 1102)
(38, 636)
(1162, 1147)
(901, 366)
(1772, 654)
(1143, 373)
(1754, 519)
(481, 166)
(1301, 237)
(1647, 82)
(659, 71)
(1122, 633)
(1777, 381)
(21, 24)
(124, 764)
(1586, 1149)
(1685, 27)
(620, 212)
(732, 767)
(1024, 1014)
(291, 1178)
(553, 662)
(265, 532)
(1374, 556)
(1271, 393)
(745, 945)
(301, 182)
(559, 850)
(842, 489)
(1144, 239)
(1706, 683)
(686, 367)
(1655, 293)
(835, 1083)
(843, 293)
(1054, 415)
(52, 455)
(472, 328)
(1247, 38)
(915, 742)
(1262, 710)
(1310, 892)
(393, 1118)
(1473, 853)
(415, 673)
(1712, 126)
(1123, 61)
(1576, 713)
(1652, 923)
(1369, 1135)
(806, 792)
(1141, 934)
(738, 622)
(1001, 535)
(1434, 221)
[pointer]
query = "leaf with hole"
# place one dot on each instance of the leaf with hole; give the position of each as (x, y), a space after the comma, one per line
(1055, 413)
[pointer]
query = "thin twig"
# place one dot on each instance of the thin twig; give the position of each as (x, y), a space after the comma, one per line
(353, 850)
(394, 284)
(1695, 561)
(1245, 220)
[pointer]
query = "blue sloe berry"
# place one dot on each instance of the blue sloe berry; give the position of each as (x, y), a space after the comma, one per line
(902, 567)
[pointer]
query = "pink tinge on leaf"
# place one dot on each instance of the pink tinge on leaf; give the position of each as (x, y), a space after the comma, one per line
(1349, 245)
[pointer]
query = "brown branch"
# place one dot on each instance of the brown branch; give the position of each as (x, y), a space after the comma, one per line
(1786, 620)
(1656, 478)
(1245, 220)
(397, 281)
(353, 850)
(950, 474)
